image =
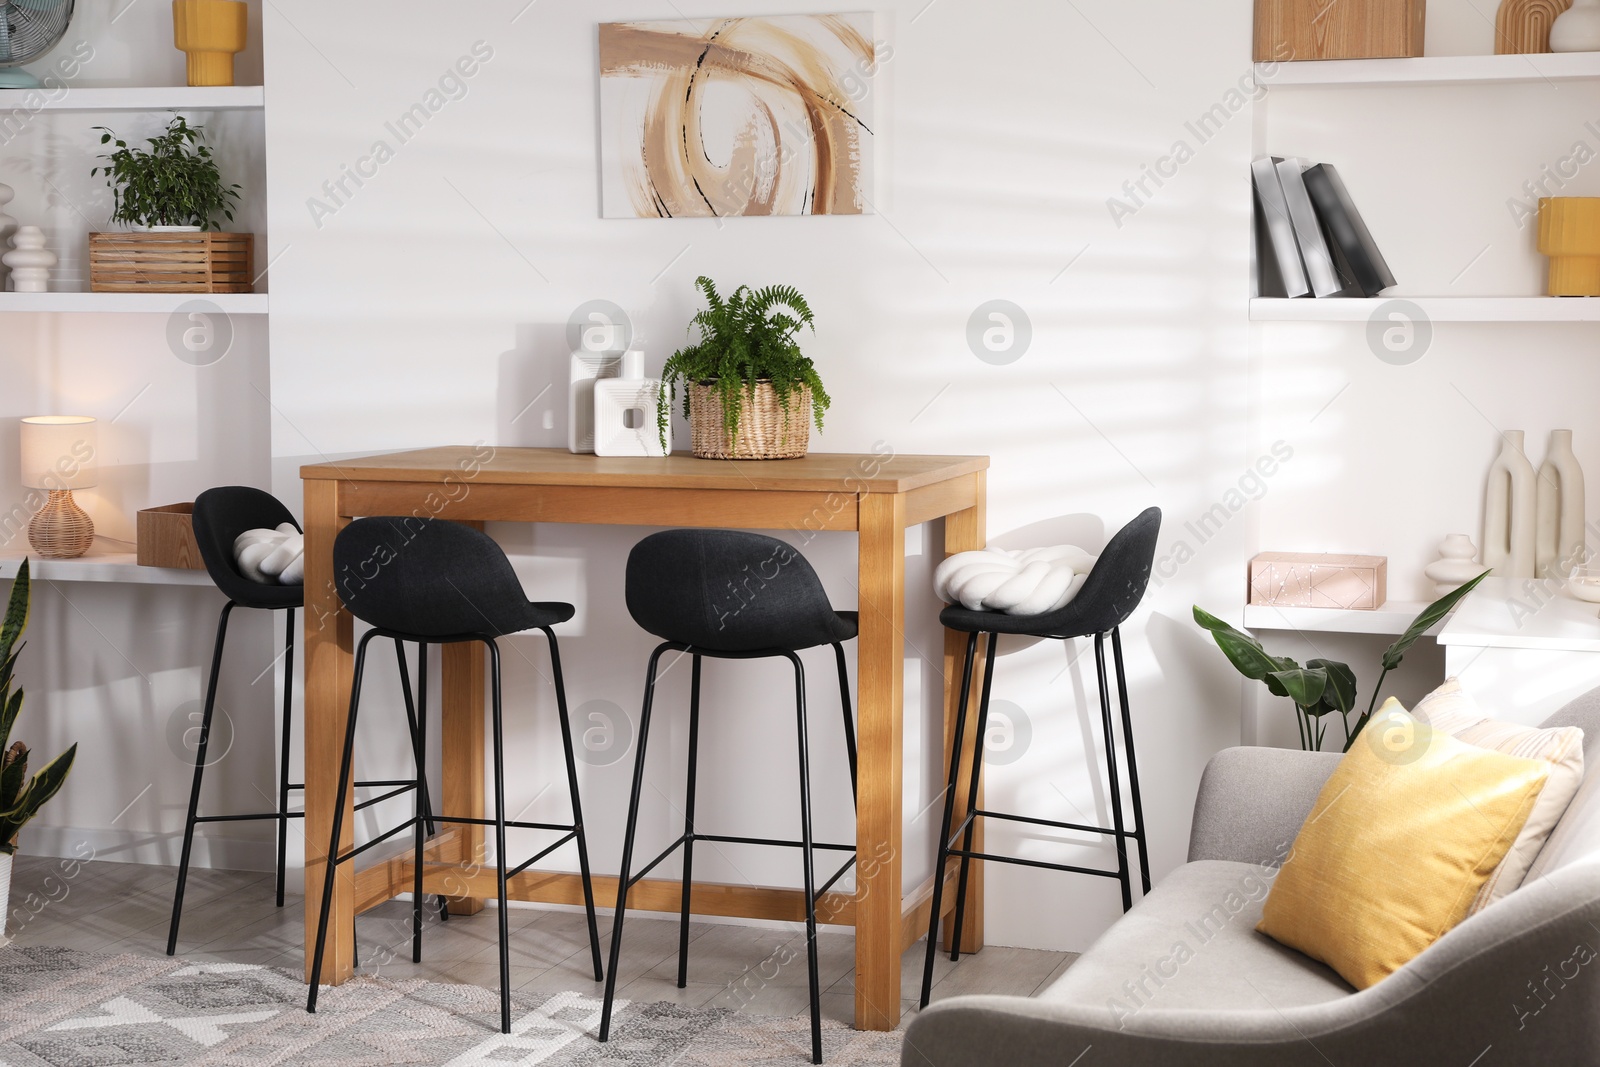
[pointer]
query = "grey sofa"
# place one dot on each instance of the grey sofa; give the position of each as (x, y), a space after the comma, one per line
(1184, 978)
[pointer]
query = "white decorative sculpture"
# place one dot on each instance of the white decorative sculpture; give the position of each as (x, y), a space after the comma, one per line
(29, 261)
(1032, 582)
(1510, 511)
(585, 369)
(1559, 547)
(7, 225)
(1577, 29)
(272, 557)
(625, 411)
(1455, 566)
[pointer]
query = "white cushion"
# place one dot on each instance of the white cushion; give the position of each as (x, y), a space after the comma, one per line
(272, 557)
(1035, 581)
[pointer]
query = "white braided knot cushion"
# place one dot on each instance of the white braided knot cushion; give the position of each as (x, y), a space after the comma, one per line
(1035, 581)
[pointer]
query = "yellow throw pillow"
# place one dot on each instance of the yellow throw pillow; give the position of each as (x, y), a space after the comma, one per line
(1450, 708)
(1401, 839)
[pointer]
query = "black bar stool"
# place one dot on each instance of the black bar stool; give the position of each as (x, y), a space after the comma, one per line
(220, 516)
(1110, 593)
(435, 583)
(728, 594)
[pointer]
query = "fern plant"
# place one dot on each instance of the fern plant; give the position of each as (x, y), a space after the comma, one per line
(745, 339)
(20, 797)
(174, 183)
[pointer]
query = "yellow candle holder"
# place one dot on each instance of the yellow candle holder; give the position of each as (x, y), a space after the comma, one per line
(210, 32)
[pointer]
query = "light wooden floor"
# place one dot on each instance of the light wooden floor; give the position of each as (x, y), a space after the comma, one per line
(229, 917)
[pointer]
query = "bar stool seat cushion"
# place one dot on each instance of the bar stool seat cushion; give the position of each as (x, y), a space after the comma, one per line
(731, 591)
(220, 516)
(435, 580)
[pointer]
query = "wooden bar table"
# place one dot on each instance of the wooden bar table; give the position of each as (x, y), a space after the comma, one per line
(877, 495)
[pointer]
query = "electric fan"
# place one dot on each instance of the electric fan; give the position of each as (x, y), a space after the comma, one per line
(29, 29)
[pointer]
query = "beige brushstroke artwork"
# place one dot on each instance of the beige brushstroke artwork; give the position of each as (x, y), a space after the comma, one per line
(736, 116)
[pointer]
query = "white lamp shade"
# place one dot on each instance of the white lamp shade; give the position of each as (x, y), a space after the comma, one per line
(58, 452)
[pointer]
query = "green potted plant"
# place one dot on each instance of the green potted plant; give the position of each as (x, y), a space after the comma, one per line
(748, 390)
(21, 797)
(171, 192)
(1322, 686)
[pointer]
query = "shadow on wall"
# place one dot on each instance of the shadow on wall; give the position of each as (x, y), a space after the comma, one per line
(531, 401)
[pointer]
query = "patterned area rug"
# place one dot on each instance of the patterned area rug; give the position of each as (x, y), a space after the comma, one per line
(64, 1008)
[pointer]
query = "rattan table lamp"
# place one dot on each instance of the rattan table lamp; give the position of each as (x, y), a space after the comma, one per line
(58, 455)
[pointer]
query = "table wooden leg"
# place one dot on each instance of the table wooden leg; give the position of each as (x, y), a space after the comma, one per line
(963, 532)
(462, 744)
(880, 683)
(327, 698)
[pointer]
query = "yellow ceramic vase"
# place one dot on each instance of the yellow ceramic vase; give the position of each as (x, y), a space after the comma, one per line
(210, 32)
(1569, 233)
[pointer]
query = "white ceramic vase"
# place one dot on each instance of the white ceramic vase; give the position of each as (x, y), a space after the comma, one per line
(7, 225)
(1560, 535)
(30, 261)
(1456, 566)
(1510, 511)
(1577, 29)
(585, 368)
(625, 412)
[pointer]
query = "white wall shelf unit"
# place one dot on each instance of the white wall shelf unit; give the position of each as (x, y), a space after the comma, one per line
(143, 98)
(98, 566)
(1430, 70)
(1392, 618)
(1437, 308)
(158, 303)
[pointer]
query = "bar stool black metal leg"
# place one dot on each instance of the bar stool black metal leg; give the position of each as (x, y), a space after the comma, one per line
(1123, 874)
(1133, 763)
(331, 861)
(807, 859)
(199, 774)
(957, 738)
(577, 804)
(688, 822)
(972, 794)
(283, 756)
(500, 837)
(849, 718)
(417, 719)
(627, 842)
(420, 807)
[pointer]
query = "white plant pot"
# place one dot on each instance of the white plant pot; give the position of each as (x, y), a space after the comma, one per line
(5, 894)
(167, 229)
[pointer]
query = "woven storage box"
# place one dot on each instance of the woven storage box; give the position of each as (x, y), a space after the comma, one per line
(166, 538)
(1316, 580)
(171, 262)
(767, 430)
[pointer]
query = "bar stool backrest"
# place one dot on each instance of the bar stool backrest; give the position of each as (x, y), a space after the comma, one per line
(427, 578)
(729, 591)
(220, 516)
(1115, 585)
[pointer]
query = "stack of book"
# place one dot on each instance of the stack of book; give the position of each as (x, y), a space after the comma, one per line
(1310, 239)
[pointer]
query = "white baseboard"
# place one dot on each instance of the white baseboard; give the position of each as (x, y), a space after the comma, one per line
(132, 846)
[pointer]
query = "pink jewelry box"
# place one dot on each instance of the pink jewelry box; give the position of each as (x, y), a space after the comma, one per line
(1319, 580)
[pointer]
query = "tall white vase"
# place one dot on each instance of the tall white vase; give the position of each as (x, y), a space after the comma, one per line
(1560, 540)
(30, 261)
(1511, 511)
(8, 226)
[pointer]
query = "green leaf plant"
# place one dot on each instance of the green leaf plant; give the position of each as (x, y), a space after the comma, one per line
(175, 182)
(745, 339)
(1322, 687)
(20, 797)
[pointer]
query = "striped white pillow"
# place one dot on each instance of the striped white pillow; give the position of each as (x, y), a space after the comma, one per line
(1451, 709)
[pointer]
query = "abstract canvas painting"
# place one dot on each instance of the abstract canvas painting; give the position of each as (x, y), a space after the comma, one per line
(766, 115)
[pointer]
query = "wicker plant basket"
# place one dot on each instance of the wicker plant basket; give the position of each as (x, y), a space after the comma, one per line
(171, 262)
(766, 429)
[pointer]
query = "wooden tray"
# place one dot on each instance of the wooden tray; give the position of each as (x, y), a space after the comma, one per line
(171, 262)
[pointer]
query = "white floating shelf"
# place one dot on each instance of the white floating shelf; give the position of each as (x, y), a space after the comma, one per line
(152, 98)
(1392, 618)
(1431, 70)
(1436, 308)
(160, 303)
(98, 566)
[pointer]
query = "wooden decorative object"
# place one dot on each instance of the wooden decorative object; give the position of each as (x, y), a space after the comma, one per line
(171, 262)
(1569, 233)
(1523, 26)
(1318, 580)
(61, 530)
(767, 430)
(1346, 29)
(166, 538)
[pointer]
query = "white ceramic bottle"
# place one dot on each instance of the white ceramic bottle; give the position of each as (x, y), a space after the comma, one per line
(1510, 511)
(30, 261)
(1560, 539)
(625, 411)
(1456, 565)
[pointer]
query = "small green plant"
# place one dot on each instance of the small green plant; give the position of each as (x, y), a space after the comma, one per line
(745, 339)
(20, 797)
(174, 183)
(1322, 685)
